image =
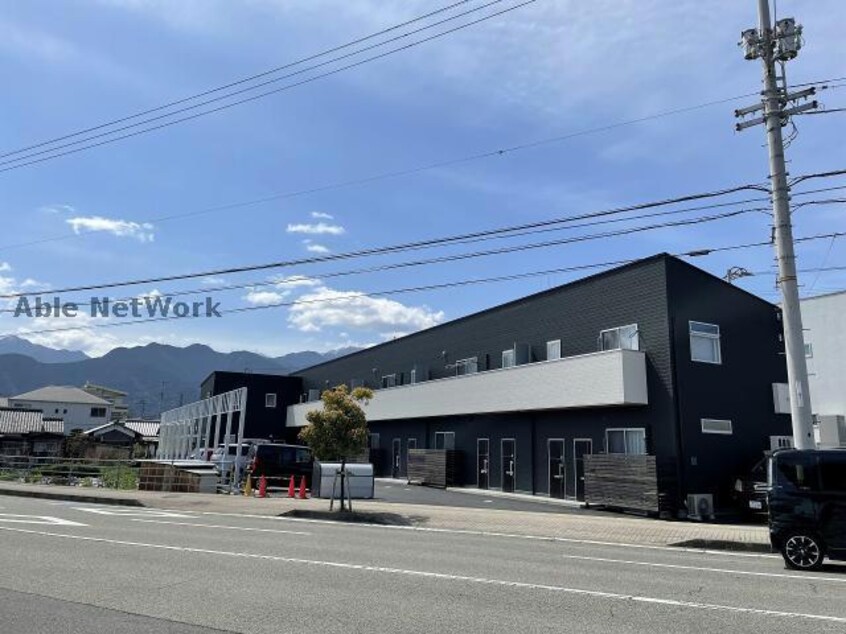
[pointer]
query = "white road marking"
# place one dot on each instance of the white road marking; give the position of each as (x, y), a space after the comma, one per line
(231, 528)
(11, 518)
(615, 596)
(131, 512)
(781, 575)
(460, 531)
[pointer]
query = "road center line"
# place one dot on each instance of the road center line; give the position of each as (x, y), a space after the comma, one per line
(781, 575)
(221, 526)
(614, 596)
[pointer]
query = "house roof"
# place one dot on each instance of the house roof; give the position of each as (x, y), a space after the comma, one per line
(147, 428)
(116, 426)
(61, 394)
(15, 420)
(93, 386)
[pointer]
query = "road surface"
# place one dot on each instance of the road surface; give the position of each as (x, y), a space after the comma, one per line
(67, 567)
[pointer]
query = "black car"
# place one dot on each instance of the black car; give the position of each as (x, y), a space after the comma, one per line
(807, 499)
(279, 463)
(750, 491)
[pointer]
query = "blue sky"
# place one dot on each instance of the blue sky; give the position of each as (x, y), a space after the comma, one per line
(548, 69)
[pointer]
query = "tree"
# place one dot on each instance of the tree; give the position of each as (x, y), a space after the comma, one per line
(339, 430)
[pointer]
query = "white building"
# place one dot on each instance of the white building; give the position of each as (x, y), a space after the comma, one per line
(120, 410)
(824, 320)
(78, 408)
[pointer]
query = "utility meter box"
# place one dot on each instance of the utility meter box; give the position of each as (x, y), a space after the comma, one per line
(360, 481)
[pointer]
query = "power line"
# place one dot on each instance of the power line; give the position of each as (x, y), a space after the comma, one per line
(400, 247)
(430, 287)
(308, 80)
(448, 258)
(237, 82)
(388, 175)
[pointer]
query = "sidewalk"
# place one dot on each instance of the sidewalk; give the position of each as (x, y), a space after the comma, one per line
(611, 527)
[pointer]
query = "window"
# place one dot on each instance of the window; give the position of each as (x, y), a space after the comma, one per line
(553, 350)
(624, 337)
(809, 351)
(467, 366)
(626, 441)
(270, 400)
(412, 376)
(389, 380)
(412, 443)
(705, 343)
(798, 471)
(508, 359)
(833, 473)
(373, 441)
(715, 426)
(98, 412)
(445, 440)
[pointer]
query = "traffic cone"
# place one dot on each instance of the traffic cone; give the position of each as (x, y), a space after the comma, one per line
(302, 489)
(262, 487)
(291, 487)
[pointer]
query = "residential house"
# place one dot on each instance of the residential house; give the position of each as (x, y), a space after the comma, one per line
(79, 409)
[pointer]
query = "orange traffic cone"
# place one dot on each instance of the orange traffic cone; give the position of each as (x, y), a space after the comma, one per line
(291, 487)
(262, 487)
(302, 489)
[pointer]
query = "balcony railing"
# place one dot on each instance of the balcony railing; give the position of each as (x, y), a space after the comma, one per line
(600, 379)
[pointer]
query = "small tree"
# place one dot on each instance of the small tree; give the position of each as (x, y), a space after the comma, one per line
(339, 430)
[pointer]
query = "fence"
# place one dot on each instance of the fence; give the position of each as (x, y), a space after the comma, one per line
(81, 472)
(433, 467)
(633, 482)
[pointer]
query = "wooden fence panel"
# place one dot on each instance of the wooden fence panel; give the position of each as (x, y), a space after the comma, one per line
(433, 467)
(628, 482)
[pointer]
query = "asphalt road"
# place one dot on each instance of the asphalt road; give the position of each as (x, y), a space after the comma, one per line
(67, 567)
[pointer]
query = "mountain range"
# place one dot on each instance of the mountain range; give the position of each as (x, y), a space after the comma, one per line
(156, 376)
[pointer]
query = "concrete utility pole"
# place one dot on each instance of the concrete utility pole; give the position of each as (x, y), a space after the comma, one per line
(777, 45)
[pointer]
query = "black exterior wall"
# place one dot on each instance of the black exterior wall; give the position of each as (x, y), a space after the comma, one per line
(261, 421)
(739, 389)
(660, 295)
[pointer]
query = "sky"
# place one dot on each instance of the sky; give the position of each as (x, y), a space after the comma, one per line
(168, 202)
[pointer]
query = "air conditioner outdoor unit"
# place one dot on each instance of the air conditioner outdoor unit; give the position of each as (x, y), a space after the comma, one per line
(700, 506)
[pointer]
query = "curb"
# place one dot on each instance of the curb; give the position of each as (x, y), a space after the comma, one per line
(87, 499)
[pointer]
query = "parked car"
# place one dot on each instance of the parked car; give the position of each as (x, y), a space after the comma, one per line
(750, 491)
(279, 462)
(226, 463)
(807, 499)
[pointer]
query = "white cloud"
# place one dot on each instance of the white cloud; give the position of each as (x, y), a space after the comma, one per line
(320, 228)
(143, 232)
(57, 209)
(316, 248)
(5, 267)
(322, 215)
(213, 281)
(326, 307)
(264, 298)
(294, 281)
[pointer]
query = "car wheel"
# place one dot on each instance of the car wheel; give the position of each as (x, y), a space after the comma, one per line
(802, 551)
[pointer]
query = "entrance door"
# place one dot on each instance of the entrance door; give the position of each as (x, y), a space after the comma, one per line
(509, 463)
(581, 447)
(483, 456)
(396, 458)
(555, 451)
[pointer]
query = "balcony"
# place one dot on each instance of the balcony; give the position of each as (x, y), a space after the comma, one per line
(601, 379)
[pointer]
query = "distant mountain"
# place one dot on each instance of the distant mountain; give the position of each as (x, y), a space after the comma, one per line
(16, 345)
(156, 376)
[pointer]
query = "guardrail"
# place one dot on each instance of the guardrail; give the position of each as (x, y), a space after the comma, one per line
(81, 472)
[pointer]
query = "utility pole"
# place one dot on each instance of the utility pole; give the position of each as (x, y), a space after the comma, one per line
(776, 45)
